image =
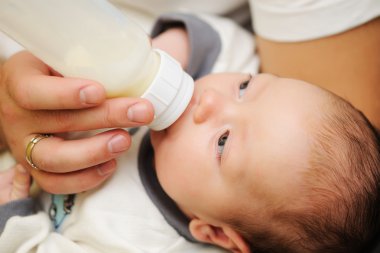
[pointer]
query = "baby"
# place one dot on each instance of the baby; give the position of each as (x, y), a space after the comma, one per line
(272, 165)
(254, 164)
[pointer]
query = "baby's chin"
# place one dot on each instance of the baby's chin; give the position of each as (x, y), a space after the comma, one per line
(159, 136)
(156, 137)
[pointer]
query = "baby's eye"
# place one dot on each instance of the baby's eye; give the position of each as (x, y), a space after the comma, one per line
(243, 86)
(221, 143)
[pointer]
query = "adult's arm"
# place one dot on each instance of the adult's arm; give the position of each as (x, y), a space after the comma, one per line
(347, 64)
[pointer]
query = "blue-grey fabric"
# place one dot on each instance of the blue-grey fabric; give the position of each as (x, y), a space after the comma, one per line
(163, 202)
(205, 43)
(22, 207)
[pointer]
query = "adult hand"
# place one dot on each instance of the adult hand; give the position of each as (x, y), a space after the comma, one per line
(36, 100)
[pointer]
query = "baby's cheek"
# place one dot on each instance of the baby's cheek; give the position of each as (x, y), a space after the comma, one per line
(170, 179)
(165, 172)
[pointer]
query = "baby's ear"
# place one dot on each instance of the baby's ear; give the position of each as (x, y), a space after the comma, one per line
(223, 236)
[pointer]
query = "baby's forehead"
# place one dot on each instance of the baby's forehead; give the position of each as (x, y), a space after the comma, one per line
(275, 171)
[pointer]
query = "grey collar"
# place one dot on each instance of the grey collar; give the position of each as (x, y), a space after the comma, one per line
(168, 208)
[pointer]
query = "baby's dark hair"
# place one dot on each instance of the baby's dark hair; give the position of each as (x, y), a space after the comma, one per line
(339, 211)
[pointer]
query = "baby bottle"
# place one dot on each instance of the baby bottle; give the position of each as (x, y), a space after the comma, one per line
(92, 39)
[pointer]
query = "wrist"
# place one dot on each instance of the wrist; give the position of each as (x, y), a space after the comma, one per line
(3, 145)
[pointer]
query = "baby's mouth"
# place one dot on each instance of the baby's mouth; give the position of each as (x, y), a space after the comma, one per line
(173, 128)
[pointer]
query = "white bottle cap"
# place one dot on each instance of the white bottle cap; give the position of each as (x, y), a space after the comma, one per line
(170, 92)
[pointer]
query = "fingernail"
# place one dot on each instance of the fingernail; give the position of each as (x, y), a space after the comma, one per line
(139, 113)
(90, 95)
(107, 168)
(118, 144)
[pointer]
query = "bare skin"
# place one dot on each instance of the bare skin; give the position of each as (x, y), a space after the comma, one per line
(348, 64)
(14, 185)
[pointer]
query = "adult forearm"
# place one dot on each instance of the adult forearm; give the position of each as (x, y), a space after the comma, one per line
(2, 138)
(2, 145)
(347, 64)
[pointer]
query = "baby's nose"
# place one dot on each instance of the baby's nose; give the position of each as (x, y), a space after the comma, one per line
(209, 105)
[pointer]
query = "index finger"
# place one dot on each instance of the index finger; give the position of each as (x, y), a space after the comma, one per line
(32, 85)
(53, 93)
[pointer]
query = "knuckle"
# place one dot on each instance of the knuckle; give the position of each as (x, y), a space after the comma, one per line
(8, 112)
(66, 99)
(21, 94)
(14, 87)
(93, 156)
(83, 185)
(112, 116)
(63, 119)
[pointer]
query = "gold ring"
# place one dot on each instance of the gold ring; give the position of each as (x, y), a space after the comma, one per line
(30, 147)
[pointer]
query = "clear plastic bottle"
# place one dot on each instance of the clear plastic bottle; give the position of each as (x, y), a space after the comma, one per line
(94, 40)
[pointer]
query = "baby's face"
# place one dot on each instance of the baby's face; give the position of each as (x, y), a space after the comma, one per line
(241, 143)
